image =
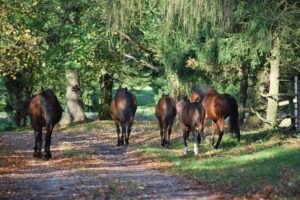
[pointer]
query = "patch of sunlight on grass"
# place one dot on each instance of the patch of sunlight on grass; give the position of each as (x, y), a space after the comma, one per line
(259, 159)
(106, 125)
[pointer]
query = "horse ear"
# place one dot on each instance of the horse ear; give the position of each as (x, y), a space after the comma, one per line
(42, 88)
(126, 88)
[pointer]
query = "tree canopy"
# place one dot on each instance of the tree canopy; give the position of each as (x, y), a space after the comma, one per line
(168, 45)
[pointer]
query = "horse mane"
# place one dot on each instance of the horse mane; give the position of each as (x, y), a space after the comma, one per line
(211, 91)
(120, 89)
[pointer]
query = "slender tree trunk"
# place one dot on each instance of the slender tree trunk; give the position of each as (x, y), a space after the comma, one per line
(290, 90)
(106, 86)
(243, 91)
(272, 105)
(74, 111)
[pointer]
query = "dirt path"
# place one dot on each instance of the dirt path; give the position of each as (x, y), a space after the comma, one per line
(86, 166)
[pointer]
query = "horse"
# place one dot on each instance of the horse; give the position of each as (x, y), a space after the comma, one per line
(123, 108)
(191, 120)
(165, 112)
(45, 111)
(218, 107)
(180, 105)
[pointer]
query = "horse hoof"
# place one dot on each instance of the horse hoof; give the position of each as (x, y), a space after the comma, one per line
(47, 156)
(37, 155)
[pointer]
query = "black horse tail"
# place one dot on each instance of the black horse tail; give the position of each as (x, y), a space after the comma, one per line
(169, 112)
(233, 116)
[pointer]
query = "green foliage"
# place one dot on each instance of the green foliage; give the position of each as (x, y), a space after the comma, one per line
(18, 96)
(168, 45)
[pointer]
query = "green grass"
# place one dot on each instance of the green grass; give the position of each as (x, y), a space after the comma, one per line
(260, 159)
(144, 96)
(105, 125)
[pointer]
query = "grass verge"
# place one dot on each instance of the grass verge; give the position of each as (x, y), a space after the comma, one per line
(263, 160)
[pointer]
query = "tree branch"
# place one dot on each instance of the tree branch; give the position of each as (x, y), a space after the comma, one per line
(129, 39)
(141, 61)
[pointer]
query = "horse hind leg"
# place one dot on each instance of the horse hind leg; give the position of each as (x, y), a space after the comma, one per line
(47, 154)
(128, 132)
(238, 134)
(118, 133)
(169, 133)
(185, 137)
(38, 143)
(214, 128)
(161, 133)
(123, 126)
(197, 139)
(165, 134)
(220, 124)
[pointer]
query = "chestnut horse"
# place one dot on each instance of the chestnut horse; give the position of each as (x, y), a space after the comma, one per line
(45, 111)
(165, 112)
(191, 120)
(123, 108)
(218, 107)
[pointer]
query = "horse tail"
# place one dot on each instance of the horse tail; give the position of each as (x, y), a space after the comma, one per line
(233, 116)
(170, 112)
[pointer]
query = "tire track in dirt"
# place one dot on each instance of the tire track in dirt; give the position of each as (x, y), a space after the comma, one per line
(86, 166)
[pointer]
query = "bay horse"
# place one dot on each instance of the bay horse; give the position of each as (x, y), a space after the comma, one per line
(218, 107)
(45, 111)
(191, 120)
(123, 108)
(180, 105)
(165, 112)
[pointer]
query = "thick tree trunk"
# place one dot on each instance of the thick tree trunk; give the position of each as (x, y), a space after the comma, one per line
(272, 105)
(74, 111)
(106, 86)
(243, 91)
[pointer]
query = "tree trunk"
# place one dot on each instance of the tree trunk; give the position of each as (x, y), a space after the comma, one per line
(243, 91)
(290, 90)
(74, 111)
(106, 86)
(272, 105)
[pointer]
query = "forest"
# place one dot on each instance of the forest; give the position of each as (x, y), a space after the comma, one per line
(84, 50)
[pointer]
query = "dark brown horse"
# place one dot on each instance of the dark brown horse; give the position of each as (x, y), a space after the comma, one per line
(123, 108)
(191, 120)
(180, 105)
(165, 112)
(218, 107)
(45, 111)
